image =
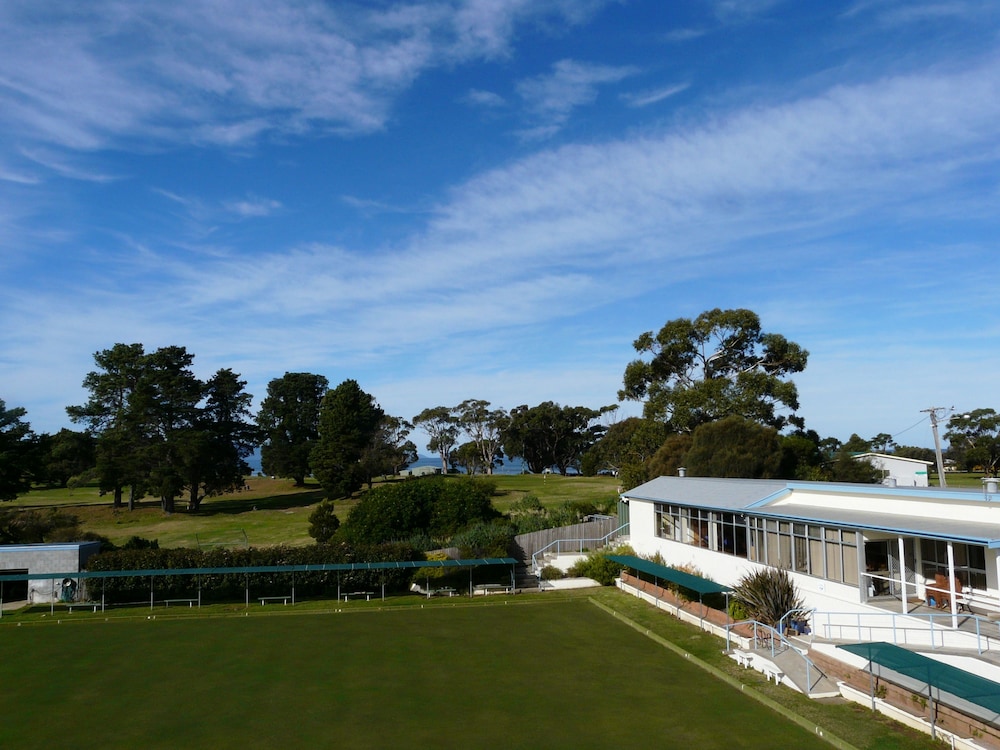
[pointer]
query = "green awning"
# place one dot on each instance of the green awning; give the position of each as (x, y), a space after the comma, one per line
(688, 581)
(267, 569)
(946, 678)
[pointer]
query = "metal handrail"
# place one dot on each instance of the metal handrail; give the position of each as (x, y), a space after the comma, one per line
(773, 635)
(578, 543)
(901, 630)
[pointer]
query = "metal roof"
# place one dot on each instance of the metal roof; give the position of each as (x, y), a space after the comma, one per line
(930, 672)
(688, 581)
(756, 496)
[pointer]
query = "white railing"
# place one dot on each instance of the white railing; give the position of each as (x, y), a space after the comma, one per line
(933, 630)
(579, 546)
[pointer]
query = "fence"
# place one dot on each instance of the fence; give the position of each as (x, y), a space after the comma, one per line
(527, 545)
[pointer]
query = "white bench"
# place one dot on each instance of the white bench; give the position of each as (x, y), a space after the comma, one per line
(265, 599)
(189, 602)
(772, 672)
(743, 658)
(70, 606)
(358, 594)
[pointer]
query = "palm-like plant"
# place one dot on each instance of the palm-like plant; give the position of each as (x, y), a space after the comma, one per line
(767, 595)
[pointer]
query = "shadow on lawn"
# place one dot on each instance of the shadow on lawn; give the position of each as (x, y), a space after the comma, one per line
(235, 504)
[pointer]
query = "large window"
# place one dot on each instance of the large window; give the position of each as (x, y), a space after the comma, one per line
(801, 547)
(970, 561)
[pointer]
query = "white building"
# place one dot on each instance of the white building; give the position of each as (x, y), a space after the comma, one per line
(847, 546)
(898, 471)
(44, 560)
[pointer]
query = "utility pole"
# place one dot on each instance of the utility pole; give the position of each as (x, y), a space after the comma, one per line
(933, 411)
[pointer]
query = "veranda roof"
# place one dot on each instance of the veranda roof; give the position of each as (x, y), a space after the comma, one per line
(687, 580)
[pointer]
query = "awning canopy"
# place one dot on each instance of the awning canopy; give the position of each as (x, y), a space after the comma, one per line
(946, 678)
(332, 567)
(687, 580)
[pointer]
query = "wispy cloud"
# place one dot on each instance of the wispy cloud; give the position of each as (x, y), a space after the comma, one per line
(252, 207)
(226, 72)
(645, 98)
(552, 97)
(487, 99)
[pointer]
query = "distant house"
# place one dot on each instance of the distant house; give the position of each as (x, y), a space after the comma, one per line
(898, 471)
(420, 471)
(39, 559)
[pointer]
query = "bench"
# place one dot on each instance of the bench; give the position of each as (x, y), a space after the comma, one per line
(743, 658)
(283, 599)
(189, 602)
(770, 671)
(446, 591)
(358, 594)
(493, 588)
(71, 605)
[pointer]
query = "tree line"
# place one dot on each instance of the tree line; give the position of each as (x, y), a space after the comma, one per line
(717, 394)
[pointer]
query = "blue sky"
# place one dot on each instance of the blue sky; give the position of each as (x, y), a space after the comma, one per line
(451, 199)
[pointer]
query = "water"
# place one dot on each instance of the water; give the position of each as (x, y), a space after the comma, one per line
(515, 466)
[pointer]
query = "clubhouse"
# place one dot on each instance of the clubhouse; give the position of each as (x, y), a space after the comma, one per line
(846, 545)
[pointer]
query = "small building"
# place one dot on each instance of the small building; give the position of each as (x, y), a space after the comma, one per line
(421, 471)
(36, 559)
(898, 471)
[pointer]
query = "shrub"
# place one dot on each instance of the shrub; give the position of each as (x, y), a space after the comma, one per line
(552, 573)
(485, 539)
(767, 595)
(599, 567)
(323, 522)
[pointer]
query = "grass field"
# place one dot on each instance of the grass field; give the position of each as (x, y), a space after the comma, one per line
(534, 671)
(559, 673)
(272, 511)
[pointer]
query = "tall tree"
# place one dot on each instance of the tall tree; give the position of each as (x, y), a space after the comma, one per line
(108, 414)
(222, 438)
(15, 446)
(388, 451)
(68, 454)
(442, 430)
(550, 435)
(484, 426)
(734, 447)
(630, 442)
(289, 423)
(717, 365)
(165, 402)
(349, 421)
(975, 439)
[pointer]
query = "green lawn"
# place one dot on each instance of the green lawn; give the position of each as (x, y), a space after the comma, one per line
(532, 671)
(536, 673)
(273, 511)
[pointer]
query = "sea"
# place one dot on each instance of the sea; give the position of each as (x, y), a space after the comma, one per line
(515, 466)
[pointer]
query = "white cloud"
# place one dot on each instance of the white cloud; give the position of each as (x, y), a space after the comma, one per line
(487, 99)
(645, 98)
(228, 71)
(252, 207)
(551, 98)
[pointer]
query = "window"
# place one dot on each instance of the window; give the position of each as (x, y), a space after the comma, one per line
(970, 561)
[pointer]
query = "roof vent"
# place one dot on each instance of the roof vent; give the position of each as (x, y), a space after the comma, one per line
(681, 471)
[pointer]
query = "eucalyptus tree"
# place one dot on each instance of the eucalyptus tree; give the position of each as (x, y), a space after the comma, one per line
(484, 427)
(442, 429)
(719, 364)
(550, 435)
(975, 438)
